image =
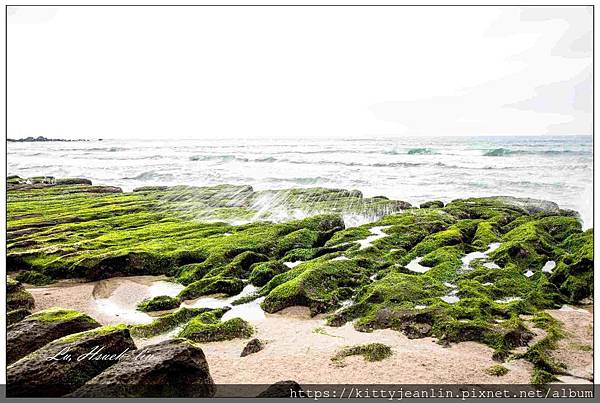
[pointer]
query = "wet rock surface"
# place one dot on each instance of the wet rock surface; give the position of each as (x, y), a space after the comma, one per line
(173, 368)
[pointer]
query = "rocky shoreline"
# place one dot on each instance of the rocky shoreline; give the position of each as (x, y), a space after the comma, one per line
(490, 271)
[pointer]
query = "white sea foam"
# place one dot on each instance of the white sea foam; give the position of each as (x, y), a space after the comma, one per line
(469, 257)
(400, 168)
(414, 265)
(549, 266)
(376, 233)
(247, 311)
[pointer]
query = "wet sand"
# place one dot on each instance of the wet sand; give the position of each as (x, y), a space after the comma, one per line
(109, 301)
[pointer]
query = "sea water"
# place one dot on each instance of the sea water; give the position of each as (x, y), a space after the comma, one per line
(405, 168)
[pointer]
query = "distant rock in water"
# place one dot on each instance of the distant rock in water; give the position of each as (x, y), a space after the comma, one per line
(41, 138)
(173, 368)
(75, 185)
(532, 206)
(73, 181)
(433, 203)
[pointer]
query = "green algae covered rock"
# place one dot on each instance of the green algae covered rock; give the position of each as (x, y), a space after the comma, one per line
(575, 270)
(166, 322)
(16, 296)
(33, 277)
(209, 327)
(160, 303)
(467, 270)
(43, 327)
(497, 370)
(319, 284)
(16, 315)
(212, 285)
(263, 272)
(433, 203)
(370, 352)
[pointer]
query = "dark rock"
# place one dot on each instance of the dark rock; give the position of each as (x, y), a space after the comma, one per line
(399, 205)
(281, 389)
(532, 206)
(97, 189)
(16, 315)
(41, 179)
(151, 189)
(412, 323)
(173, 368)
(500, 356)
(43, 327)
(518, 337)
(84, 189)
(16, 295)
(432, 203)
(31, 139)
(253, 346)
(73, 181)
(417, 330)
(40, 375)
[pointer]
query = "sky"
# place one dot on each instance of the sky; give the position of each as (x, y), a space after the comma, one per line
(244, 72)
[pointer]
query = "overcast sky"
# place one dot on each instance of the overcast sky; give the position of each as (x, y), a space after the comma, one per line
(210, 72)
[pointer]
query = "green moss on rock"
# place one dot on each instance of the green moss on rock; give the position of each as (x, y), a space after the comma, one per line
(263, 272)
(319, 284)
(211, 285)
(17, 297)
(497, 370)
(159, 303)
(208, 327)
(371, 352)
(166, 322)
(33, 277)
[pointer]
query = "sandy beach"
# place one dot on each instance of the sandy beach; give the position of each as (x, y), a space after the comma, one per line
(299, 347)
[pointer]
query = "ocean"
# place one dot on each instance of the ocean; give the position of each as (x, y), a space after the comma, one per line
(413, 169)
